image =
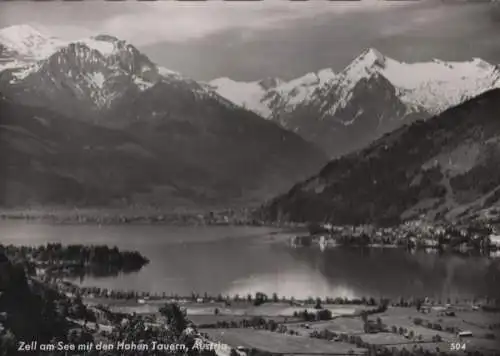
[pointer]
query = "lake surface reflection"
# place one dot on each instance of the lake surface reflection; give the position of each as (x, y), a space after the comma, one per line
(230, 260)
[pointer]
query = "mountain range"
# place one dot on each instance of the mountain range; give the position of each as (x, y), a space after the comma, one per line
(373, 95)
(445, 167)
(95, 121)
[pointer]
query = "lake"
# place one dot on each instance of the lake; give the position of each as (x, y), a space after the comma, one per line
(241, 260)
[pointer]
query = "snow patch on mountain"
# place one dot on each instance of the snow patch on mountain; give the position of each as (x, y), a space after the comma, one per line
(11, 64)
(19, 74)
(326, 75)
(166, 72)
(97, 79)
(247, 95)
(142, 84)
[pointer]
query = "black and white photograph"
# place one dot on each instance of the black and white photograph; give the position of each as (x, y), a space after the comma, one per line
(250, 178)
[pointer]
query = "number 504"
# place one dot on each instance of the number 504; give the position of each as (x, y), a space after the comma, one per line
(457, 346)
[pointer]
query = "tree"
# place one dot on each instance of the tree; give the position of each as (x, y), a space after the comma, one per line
(437, 338)
(324, 314)
(175, 317)
(364, 317)
(318, 304)
(260, 298)
(418, 304)
(384, 304)
(275, 298)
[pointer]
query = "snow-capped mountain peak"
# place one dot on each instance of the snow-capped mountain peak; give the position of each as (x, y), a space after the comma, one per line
(366, 64)
(98, 71)
(434, 85)
(369, 58)
(28, 43)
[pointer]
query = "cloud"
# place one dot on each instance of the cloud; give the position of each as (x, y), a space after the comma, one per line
(148, 23)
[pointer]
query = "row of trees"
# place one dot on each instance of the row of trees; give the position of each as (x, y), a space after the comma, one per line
(55, 253)
(260, 298)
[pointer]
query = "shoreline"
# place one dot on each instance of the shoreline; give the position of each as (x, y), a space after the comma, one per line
(147, 216)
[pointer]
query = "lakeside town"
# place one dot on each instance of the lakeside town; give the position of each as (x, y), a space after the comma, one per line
(480, 238)
(223, 325)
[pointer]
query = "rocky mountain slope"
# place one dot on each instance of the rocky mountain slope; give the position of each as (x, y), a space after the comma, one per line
(100, 123)
(373, 95)
(444, 167)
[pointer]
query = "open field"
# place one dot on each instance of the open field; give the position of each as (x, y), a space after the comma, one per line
(399, 319)
(267, 309)
(477, 322)
(346, 320)
(348, 325)
(279, 343)
(211, 319)
(205, 312)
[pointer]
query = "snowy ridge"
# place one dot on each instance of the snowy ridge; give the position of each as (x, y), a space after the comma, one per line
(434, 86)
(437, 85)
(142, 84)
(167, 73)
(24, 45)
(101, 62)
(96, 68)
(247, 95)
(300, 89)
(262, 98)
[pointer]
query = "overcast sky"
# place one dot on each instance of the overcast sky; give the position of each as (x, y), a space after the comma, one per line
(253, 40)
